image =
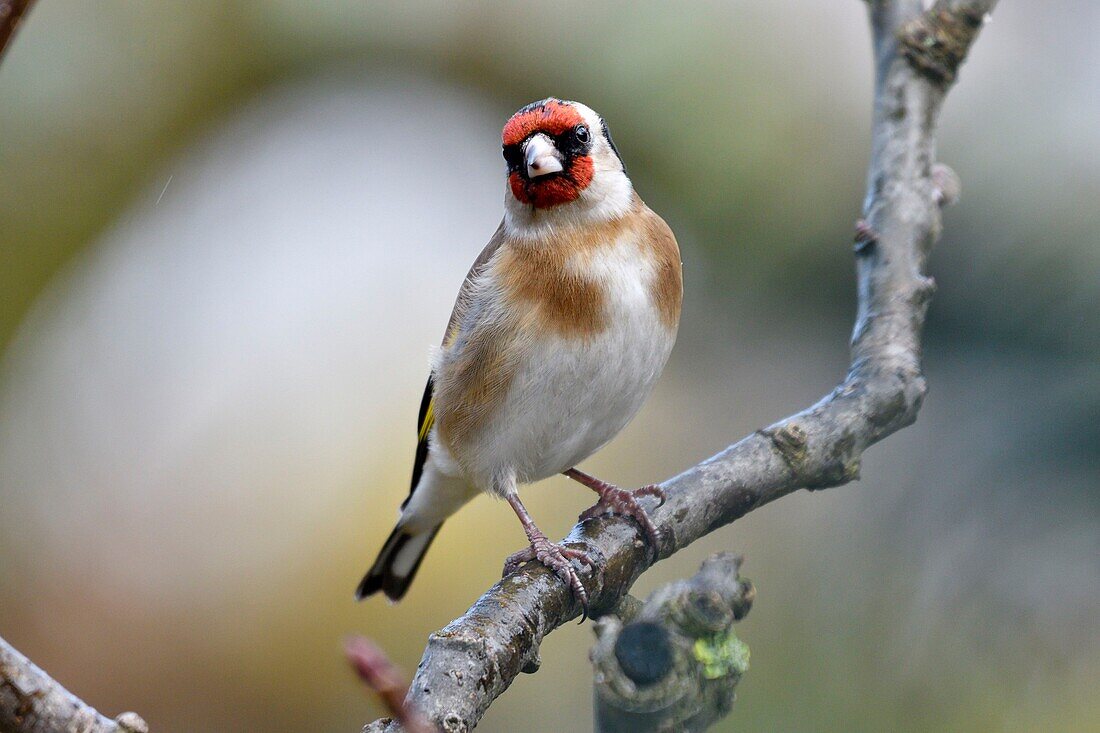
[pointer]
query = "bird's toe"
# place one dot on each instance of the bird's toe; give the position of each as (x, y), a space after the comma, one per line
(625, 503)
(513, 561)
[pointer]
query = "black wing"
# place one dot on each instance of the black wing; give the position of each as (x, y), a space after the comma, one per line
(427, 406)
(424, 426)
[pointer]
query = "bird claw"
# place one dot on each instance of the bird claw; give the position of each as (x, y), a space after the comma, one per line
(614, 500)
(557, 559)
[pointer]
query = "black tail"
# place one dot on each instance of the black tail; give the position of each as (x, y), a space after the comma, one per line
(397, 563)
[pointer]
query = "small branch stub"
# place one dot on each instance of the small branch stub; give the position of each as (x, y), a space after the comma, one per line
(937, 42)
(383, 678)
(674, 663)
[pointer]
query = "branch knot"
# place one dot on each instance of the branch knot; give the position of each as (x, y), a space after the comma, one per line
(789, 440)
(936, 43)
(132, 723)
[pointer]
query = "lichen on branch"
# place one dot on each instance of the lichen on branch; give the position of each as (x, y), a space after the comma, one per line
(673, 662)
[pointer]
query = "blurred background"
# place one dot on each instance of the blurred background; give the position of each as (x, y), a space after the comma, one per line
(227, 242)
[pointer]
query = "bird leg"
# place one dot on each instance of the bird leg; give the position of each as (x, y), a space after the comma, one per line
(556, 558)
(614, 500)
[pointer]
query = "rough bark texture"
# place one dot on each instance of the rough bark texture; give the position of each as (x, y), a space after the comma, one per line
(672, 663)
(475, 658)
(32, 702)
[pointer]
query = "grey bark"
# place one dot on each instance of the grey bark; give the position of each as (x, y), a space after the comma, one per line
(672, 663)
(474, 659)
(32, 702)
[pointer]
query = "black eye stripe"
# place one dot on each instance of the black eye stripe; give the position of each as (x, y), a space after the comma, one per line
(571, 143)
(513, 156)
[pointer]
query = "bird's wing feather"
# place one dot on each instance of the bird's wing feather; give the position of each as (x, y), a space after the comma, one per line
(424, 422)
(426, 419)
(465, 293)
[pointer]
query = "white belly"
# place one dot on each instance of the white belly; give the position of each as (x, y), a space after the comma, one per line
(578, 399)
(571, 395)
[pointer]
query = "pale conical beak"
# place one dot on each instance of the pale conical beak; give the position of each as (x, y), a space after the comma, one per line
(542, 157)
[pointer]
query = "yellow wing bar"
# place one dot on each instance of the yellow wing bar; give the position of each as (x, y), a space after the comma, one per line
(427, 423)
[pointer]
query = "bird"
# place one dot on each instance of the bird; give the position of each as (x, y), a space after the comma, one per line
(559, 333)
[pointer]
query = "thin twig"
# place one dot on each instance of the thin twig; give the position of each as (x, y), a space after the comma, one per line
(475, 658)
(384, 679)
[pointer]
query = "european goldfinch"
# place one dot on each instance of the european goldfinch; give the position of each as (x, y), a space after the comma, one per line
(560, 330)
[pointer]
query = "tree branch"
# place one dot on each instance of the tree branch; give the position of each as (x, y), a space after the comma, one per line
(475, 658)
(32, 702)
(11, 13)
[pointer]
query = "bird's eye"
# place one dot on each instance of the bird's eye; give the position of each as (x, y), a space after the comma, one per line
(581, 134)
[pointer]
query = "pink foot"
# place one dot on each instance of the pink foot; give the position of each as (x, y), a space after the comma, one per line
(614, 500)
(557, 559)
